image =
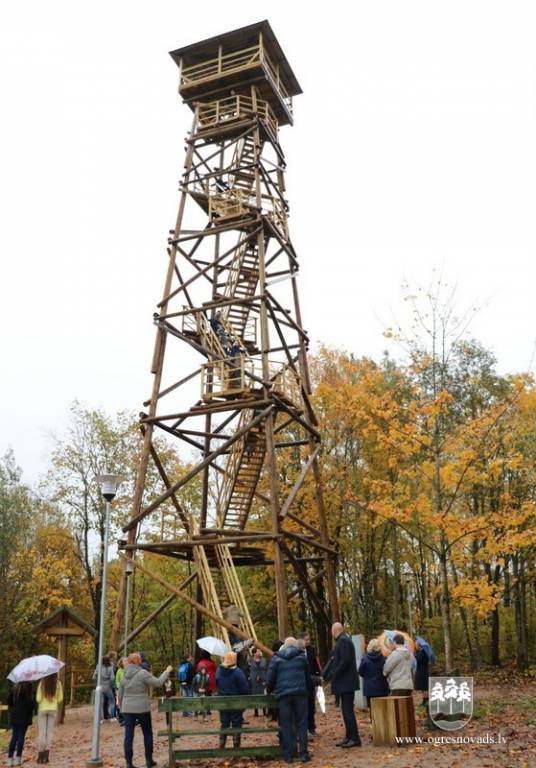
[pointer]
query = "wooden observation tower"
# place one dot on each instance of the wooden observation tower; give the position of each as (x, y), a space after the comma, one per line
(230, 375)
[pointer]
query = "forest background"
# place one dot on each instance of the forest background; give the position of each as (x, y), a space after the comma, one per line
(430, 486)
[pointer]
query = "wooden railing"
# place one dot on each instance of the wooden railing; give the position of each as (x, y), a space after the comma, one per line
(221, 64)
(230, 204)
(239, 107)
(234, 375)
(81, 679)
(236, 202)
(235, 61)
(232, 467)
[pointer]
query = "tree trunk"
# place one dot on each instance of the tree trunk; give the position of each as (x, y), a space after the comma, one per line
(396, 579)
(465, 622)
(476, 635)
(445, 607)
(507, 587)
(495, 659)
(520, 617)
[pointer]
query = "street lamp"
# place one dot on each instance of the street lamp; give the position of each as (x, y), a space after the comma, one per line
(129, 570)
(108, 485)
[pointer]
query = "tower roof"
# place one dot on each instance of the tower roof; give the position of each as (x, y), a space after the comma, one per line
(239, 39)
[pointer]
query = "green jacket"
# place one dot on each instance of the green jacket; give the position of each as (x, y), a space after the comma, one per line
(119, 676)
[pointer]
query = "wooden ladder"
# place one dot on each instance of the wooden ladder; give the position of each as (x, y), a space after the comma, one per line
(233, 588)
(242, 472)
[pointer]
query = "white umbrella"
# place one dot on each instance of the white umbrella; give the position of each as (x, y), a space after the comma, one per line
(34, 668)
(213, 645)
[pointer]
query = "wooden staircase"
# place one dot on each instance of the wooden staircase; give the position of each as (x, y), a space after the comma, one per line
(233, 589)
(242, 281)
(243, 275)
(244, 155)
(246, 457)
(242, 472)
(208, 588)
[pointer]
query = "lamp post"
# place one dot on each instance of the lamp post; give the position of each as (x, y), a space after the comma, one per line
(108, 485)
(129, 570)
(408, 574)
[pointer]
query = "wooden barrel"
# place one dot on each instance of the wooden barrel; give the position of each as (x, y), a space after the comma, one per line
(392, 716)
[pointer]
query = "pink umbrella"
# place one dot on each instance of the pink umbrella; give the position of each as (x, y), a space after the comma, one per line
(35, 668)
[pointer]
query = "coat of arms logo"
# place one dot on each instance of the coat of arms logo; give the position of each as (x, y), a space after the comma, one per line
(450, 701)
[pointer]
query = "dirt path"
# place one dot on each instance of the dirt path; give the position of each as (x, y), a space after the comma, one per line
(504, 710)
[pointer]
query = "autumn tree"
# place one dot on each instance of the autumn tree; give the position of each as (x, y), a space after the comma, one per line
(95, 443)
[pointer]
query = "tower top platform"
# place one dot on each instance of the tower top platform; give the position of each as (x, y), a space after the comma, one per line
(233, 62)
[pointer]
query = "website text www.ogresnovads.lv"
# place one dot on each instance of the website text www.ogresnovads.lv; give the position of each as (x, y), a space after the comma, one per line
(486, 738)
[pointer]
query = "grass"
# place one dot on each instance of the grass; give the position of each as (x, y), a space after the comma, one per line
(526, 707)
(521, 706)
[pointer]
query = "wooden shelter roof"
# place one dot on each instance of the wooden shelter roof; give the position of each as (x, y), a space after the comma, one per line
(63, 613)
(237, 40)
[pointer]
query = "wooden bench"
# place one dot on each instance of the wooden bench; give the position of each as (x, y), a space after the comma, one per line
(217, 703)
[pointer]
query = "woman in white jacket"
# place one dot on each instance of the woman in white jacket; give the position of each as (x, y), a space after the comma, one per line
(397, 669)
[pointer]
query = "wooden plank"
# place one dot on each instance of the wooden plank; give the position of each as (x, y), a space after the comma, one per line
(201, 703)
(220, 731)
(310, 542)
(392, 717)
(198, 606)
(192, 754)
(64, 631)
(299, 482)
(136, 631)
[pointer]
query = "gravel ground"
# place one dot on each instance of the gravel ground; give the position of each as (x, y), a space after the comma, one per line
(509, 714)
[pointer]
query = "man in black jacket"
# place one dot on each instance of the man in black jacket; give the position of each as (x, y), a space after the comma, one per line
(345, 682)
(316, 672)
(289, 678)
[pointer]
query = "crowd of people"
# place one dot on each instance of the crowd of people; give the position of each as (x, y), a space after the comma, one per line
(293, 675)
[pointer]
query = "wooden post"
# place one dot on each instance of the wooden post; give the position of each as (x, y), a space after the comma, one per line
(62, 656)
(72, 699)
(392, 717)
(156, 369)
(279, 560)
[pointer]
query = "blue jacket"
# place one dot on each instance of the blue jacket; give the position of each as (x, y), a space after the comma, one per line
(231, 682)
(288, 673)
(371, 670)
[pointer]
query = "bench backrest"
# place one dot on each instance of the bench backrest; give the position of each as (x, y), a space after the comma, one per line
(200, 703)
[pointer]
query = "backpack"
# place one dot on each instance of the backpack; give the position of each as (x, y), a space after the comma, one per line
(182, 674)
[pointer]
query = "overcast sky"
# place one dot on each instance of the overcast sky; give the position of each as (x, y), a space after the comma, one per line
(413, 148)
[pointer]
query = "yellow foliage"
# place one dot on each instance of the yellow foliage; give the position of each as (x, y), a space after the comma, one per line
(476, 595)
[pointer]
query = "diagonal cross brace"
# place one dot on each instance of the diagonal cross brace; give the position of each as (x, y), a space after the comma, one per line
(193, 472)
